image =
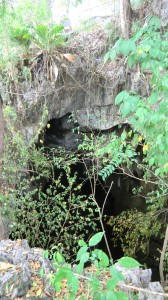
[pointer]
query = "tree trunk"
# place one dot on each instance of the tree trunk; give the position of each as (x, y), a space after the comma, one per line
(125, 17)
(161, 267)
(3, 234)
(1, 130)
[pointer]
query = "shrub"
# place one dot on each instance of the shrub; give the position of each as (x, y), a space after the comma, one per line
(43, 196)
(97, 286)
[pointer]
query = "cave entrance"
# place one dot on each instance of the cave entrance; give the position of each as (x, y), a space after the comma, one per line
(111, 198)
(59, 210)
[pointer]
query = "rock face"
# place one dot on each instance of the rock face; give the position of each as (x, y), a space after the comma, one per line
(76, 81)
(60, 134)
(160, 9)
(3, 231)
(142, 280)
(19, 271)
(20, 274)
(1, 129)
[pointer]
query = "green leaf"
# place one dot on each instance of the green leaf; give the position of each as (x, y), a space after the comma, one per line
(81, 252)
(95, 239)
(153, 98)
(57, 29)
(131, 60)
(63, 273)
(104, 260)
(71, 296)
(57, 286)
(41, 30)
(59, 257)
(84, 257)
(111, 296)
(121, 295)
(106, 57)
(128, 262)
(161, 147)
(127, 46)
(146, 48)
(73, 284)
(151, 161)
(27, 36)
(99, 296)
(82, 243)
(111, 284)
(116, 274)
(95, 284)
(113, 54)
(46, 254)
(157, 171)
(165, 82)
(42, 272)
(124, 135)
(134, 100)
(121, 96)
(125, 109)
(79, 268)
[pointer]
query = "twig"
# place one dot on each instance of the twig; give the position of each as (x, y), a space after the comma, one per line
(133, 176)
(122, 285)
(141, 290)
(102, 212)
(98, 207)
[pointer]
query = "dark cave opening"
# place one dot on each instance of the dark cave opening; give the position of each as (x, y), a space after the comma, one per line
(60, 133)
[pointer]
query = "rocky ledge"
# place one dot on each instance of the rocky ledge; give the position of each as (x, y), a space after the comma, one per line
(20, 271)
(20, 275)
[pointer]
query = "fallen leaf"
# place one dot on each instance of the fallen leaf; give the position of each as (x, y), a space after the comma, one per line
(69, 57)
(8, 246)
(5, 266)
(63, 65)
(39, 292)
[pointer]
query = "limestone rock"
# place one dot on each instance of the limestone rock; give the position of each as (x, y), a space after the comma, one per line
(19, 268)
(140, 278)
